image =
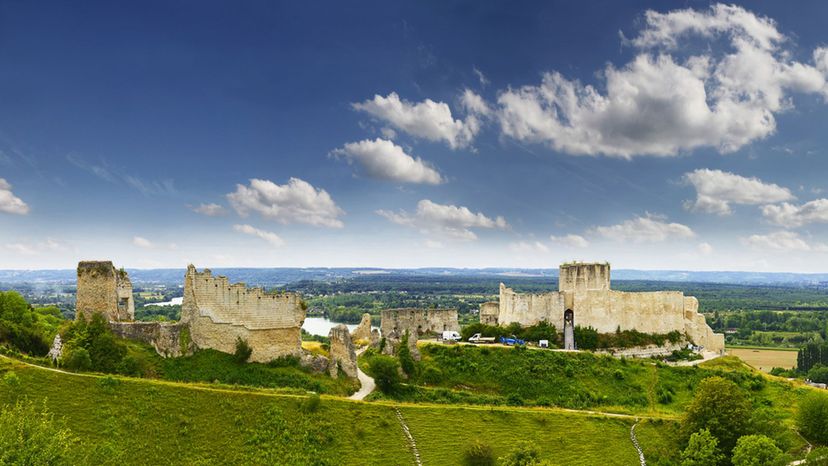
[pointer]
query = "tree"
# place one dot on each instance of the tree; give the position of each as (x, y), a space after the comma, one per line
(478, 454)
(722, 408)
(812, 418)
(818, 457)
(756, 450)
(409, 366)
(702, 450)
(818, 373)
(386, 372)
(29, 436)
(243, 350)
(77, 359)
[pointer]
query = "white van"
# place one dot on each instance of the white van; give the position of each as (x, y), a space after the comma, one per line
(450, 335)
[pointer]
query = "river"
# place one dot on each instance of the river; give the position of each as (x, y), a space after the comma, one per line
(322, 325)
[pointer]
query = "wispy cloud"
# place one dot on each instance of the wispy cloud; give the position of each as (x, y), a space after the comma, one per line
(116, 176)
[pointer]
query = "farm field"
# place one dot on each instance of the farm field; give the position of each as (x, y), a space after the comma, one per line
(765, 359)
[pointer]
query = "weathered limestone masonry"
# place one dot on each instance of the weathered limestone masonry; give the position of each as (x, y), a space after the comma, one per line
(363, 330)
(342, 352)
(217, 313)
(104, 289)
(419, 321)
(489, 312)
(170, 339)
(584, 289)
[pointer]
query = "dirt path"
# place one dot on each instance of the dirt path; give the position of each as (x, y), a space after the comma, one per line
(636, 445)
(411, 443)
(366, 383)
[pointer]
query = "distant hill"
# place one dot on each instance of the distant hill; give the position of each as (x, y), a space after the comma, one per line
(282, 276)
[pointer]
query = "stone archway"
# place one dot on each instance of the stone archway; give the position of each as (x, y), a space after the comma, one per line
(569, 329)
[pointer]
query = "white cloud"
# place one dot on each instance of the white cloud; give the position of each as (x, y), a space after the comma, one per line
(484, 81)
(783, 241)
(9, 203)
(210, 210)
(270, 237)
(295, 202)
(647, 229)
(142, 242)
(528, 246)
(716, 190)
(790, 215)
(427, 119)
(658, 104)
(36, 248)
(573, 241)
(445, 220)
(386, 160)
(705, 249)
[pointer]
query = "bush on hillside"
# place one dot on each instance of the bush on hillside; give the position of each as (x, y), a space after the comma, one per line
(243, 351)
(818, 374)
(386, 372)
(702, 450)
(720, 406)
(30, 436)
(812, 418)
(757, 450)
(524, 454)
(407, 363)
(104, 350)
(817, 457)
(478, 454)
(23, 327)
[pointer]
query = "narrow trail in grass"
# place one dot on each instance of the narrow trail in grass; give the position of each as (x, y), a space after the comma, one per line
(636, 445)
(366, 383)
(411, 443)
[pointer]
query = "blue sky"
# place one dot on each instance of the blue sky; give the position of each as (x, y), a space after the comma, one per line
(465, 134)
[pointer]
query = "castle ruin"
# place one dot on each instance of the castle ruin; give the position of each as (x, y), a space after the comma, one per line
(418, 321)
(584, 298)
(104, 289)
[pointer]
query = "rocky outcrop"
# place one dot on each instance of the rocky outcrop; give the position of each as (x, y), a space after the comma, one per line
(314, 362)
(394, 340)
(56, 351)
(363, 330)
(342, 353)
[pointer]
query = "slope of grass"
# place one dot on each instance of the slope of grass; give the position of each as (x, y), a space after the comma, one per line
(140, 421)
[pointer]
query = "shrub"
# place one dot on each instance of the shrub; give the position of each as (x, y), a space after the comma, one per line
(385, 370)
(812, 418)
(720, 406)
(11, 380)
(818, 457)
(77, 359)
(586, 338)
(409, 366)
(818, 373)
(478, 454)
(29, 436)
(243, 351)
(524, 454)
(702, 450)
(756, 450)
(312, 403)
(108, 383)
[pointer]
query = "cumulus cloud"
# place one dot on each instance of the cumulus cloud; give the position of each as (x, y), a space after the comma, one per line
(9, 203)
(705, 249)
(783, 241)
(295, 202)
(428, 119)
(210, 210)
(647, 229)
(528, 246)
(792, 216)
(268, 236)
(573, 241)
(385, 160)
(446, 220)
(716, 190)
(660, 104)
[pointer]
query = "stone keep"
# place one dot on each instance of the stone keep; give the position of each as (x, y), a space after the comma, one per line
(101, 288)
(584, 289)
(418, 321)
(217, 313)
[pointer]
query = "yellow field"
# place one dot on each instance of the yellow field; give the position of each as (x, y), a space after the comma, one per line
(765, 359)
(315, 347)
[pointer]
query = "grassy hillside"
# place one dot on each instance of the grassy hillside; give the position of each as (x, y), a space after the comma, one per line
(140, 421)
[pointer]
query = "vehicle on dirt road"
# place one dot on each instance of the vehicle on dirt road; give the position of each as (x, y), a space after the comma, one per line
(512, 340)
(478, 338)
(450, 335)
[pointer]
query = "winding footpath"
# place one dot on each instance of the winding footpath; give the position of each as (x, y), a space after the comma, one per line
(366, 383)
(636, 445)
(411, 443)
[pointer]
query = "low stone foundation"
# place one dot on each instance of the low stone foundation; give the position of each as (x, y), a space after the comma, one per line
(169, 339)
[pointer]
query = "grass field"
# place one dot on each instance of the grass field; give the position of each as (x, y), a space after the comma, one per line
(765, 359)
(139, 421)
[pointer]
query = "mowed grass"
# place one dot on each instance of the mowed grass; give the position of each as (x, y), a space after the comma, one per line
(140, 421)
(765, 359)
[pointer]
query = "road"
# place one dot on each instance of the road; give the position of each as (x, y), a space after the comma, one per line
(366, 383)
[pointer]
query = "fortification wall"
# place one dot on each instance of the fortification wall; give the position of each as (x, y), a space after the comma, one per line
(218, 313)
(489, 312)
(168, 339)
(530, 308)
(580, 276)
(101, 288)
(421, 321)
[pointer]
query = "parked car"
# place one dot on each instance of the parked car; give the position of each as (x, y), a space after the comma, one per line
(512, 340)
(478, 338)
(450, 335)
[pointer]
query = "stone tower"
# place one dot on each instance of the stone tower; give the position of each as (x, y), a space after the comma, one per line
(584, 276)
(104, 289)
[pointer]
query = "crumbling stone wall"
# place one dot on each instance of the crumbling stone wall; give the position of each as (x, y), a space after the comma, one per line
(170, 339)
(342, 354)
(584, 289)
(489, 312)
(363, 330)
(421, 321)
(101, 288)
(217, 313)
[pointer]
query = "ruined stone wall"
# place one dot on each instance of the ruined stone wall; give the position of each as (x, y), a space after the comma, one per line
(421, 321)
(218, 313)
(489, 312)
(530, 308)
(170, 339)
(101, 288)
(580, 276)
(342, 353)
